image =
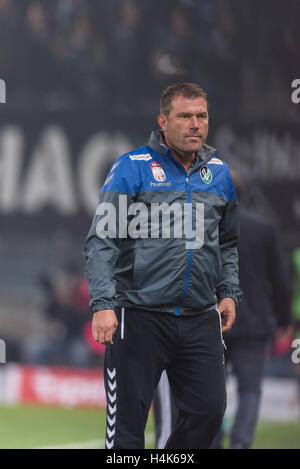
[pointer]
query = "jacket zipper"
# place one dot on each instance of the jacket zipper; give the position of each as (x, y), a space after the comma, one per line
(188, 189)
(187, 277)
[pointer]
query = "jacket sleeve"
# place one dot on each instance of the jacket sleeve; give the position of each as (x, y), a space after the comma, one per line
(229, 229)
(101, 248)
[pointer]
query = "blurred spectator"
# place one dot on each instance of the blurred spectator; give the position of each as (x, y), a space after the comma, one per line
(9, 37)
(225, 63)
(296, 309)
(289, 44)
(260, 36)
(66, 341)
(173, 55)
(13, 353)
(296, 302)
(82, 300)
(82, 58)
(67, 11)
(128, 69)
(35, 63)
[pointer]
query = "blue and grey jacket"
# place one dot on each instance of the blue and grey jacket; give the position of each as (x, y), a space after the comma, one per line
(164, 239)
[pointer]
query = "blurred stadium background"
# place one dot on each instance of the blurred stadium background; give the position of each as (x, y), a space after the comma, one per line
(83, 82)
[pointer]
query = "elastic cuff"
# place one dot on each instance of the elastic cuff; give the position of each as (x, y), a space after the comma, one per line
(230, 293)
(234, 298)
(100, 306)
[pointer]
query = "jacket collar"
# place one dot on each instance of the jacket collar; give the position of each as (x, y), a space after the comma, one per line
(157, 143)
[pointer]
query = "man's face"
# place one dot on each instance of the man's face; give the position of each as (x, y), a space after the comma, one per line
(186, 127)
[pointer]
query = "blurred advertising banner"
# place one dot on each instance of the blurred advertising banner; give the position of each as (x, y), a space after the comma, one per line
(71, 387)
(52, 168)
(53, 386)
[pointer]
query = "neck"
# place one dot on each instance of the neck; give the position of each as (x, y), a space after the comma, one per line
(184, 158)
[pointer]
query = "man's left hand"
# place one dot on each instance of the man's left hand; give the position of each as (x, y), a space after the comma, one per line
(227, 311)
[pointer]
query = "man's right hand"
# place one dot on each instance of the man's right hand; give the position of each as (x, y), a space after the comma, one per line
(104, 326)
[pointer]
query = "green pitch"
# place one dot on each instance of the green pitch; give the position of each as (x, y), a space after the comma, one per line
(41, 427)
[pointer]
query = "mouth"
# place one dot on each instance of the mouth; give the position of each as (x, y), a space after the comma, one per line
(194, 136)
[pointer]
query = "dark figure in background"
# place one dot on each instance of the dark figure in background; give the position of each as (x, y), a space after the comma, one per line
(265, 310)
(265, 307)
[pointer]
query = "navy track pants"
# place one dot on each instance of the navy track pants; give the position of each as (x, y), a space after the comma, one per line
(190, 349)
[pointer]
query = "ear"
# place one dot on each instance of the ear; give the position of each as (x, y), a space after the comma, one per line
(162, 122)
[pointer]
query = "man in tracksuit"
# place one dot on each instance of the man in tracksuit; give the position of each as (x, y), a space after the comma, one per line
(162, 267)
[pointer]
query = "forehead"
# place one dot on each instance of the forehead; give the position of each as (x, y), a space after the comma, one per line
(181, 104)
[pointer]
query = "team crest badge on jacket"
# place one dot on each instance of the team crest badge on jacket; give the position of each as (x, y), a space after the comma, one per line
(158, 172)
(206, 174)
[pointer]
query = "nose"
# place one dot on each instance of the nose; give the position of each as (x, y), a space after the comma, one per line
(194, 122)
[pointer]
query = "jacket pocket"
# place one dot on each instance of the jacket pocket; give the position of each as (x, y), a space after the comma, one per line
(159, 266)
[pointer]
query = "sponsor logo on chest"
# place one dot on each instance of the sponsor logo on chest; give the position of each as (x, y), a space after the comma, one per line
(158, 172)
